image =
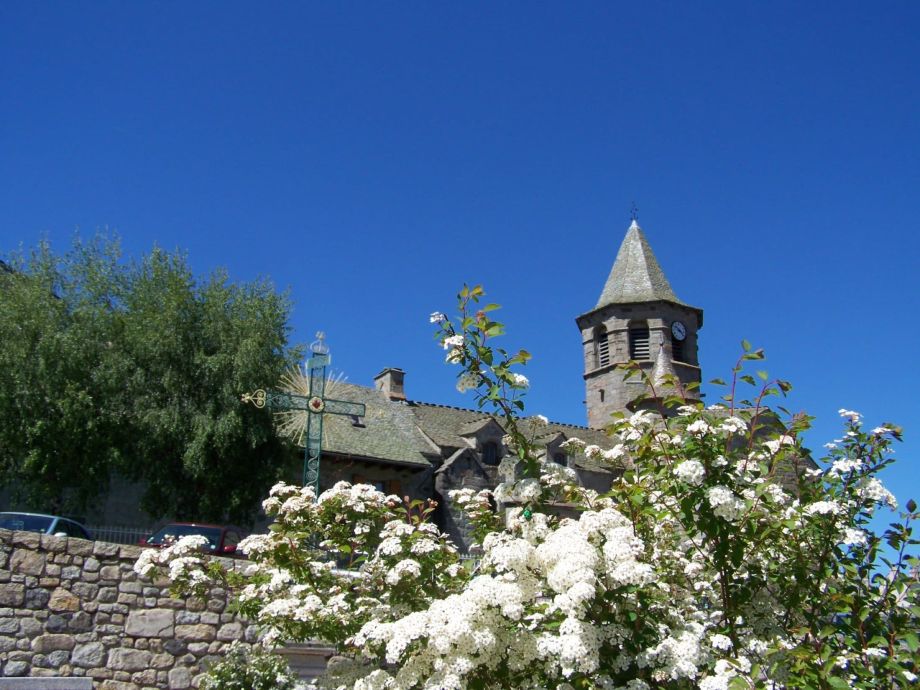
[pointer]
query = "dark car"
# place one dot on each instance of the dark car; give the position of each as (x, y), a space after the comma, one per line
(222, 540)
(45, 524)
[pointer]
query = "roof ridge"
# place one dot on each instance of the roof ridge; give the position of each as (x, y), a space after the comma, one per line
(486, 414)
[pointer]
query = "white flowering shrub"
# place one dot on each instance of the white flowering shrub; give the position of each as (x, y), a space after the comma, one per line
(249, 669)
(721, 557)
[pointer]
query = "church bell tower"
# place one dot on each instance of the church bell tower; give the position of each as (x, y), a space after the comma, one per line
(638, 317)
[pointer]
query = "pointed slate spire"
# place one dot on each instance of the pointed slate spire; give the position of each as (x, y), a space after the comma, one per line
(636, 275)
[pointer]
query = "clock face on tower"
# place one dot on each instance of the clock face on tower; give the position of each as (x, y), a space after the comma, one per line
(678, 330)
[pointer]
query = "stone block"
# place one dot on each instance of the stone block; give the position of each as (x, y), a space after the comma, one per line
(63, 600)
(179, 679)
(198, 648)
(210, 618)
(52, 643)
(88, 655)
(27, 562)
(195, 633)
(56, 623)
(148, 677)
(150, 623)
(116, 685)
(104, 549)
(52, 569)
(16, 668)
(53, 543)
(161, 661)
(91, 565)
(129, 659)
(110, 572)
(28, 540)
(80, 622)
(30, 627)
(216, 605)
(8, 626)
(79, 547)
(187, 618)
(57, 659)
(175, 647)
(230, 631)
(36, 598)
(131, 587)
(48, 582)
(195, 604)
(85, 590)
(107, 595)
(129, 552)
(71, 572)
(127, 599)
(7, 643)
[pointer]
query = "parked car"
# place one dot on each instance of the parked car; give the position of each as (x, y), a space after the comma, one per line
(222, 540)
(45, 524)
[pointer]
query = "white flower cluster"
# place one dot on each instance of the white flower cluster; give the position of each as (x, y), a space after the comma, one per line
(519, 381)
(178, 558)
(466, 381)
(724, 503)
(690, 472)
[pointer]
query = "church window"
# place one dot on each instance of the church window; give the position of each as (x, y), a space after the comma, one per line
(602, 395)
(601, 347)
(490, 453)
(638, 341)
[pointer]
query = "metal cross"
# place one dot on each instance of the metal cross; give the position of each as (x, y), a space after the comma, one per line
(315, 404)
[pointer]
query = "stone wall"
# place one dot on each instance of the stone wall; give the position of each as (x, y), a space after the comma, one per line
(70, 607)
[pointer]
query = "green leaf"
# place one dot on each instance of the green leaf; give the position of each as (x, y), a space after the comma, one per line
(746, 345)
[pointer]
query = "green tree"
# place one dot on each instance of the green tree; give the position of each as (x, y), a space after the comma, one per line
(136, 367)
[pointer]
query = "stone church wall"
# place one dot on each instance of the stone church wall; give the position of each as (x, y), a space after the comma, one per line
(70, 607)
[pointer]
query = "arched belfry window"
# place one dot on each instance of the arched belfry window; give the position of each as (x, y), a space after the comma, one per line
(490, 453)
(601, 347)
(639, 340)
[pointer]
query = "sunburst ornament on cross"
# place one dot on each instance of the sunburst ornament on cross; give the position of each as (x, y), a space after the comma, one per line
(301, 405)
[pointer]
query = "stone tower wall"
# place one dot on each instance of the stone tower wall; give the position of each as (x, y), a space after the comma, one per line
(618, 392)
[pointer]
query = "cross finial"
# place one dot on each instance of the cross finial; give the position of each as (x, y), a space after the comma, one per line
(634, 212)
(318, 346)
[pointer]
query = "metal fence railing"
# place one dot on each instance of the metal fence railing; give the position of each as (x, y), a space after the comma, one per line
(118, 535)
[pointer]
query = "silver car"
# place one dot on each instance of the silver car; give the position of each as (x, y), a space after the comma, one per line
(46, 524)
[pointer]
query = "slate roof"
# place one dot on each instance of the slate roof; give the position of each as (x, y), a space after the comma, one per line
(389, 431)
(419, 433)
(636, 275)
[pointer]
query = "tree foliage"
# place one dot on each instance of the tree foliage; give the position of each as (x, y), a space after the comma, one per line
(135, 367)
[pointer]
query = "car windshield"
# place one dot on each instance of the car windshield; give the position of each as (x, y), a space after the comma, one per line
(172, 533)
(25, 523)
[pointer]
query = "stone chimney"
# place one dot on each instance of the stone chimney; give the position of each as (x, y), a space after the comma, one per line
(390, 383)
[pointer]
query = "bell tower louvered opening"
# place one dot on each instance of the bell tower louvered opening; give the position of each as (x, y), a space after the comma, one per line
(601, 347)
(639, 341)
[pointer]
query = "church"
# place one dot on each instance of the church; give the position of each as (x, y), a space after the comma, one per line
(424, 450)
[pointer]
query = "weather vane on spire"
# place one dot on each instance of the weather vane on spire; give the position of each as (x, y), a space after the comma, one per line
(634, 212)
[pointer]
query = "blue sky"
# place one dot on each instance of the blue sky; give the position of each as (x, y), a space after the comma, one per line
(371, 157)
